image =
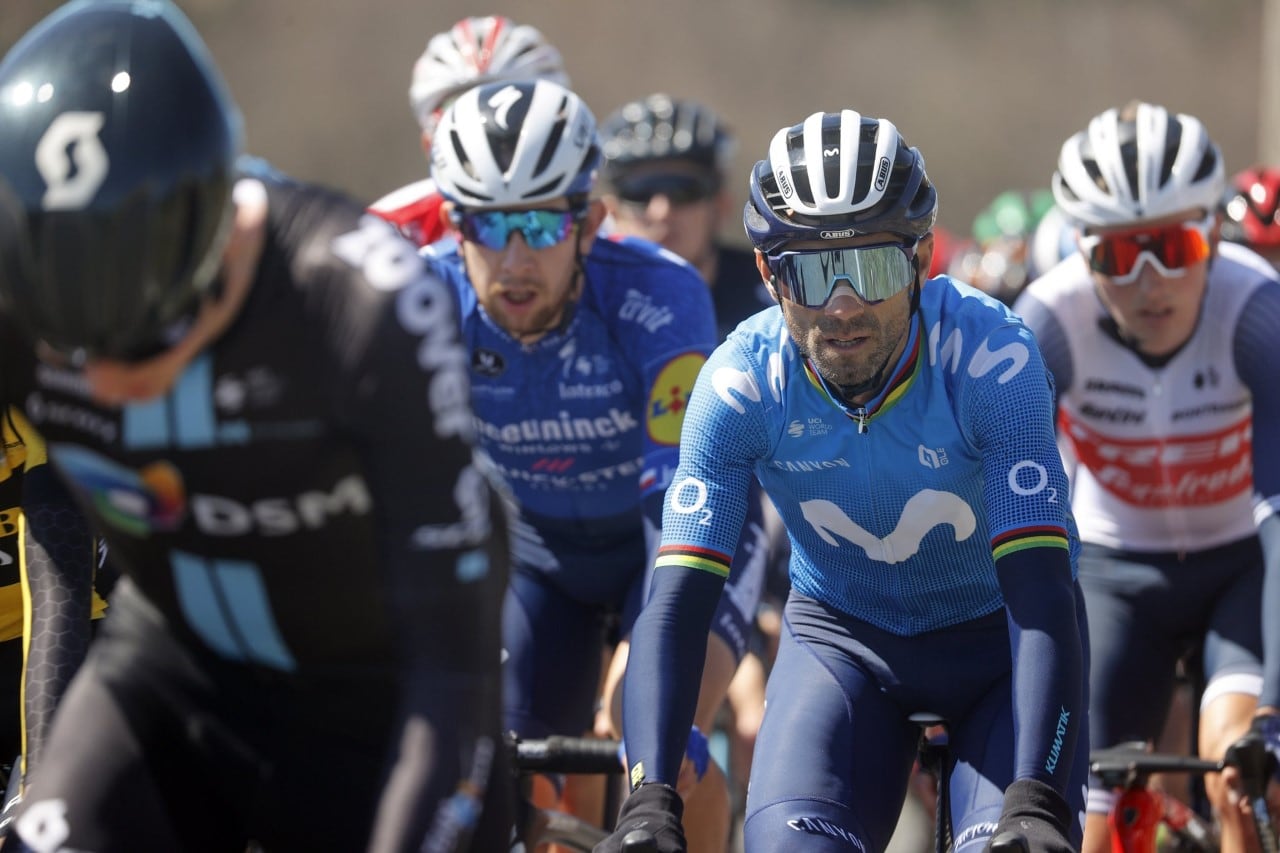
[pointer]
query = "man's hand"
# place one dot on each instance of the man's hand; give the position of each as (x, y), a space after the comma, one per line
(1039, 814)
(655, 808)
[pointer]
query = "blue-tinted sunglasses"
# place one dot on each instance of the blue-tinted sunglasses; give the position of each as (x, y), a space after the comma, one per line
(875, 273)
(492, 229)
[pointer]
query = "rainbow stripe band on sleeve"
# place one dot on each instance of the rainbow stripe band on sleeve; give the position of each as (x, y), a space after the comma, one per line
(1047, 536)
(692, 557)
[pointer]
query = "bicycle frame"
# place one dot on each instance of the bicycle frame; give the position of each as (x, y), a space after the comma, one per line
(1135, 819)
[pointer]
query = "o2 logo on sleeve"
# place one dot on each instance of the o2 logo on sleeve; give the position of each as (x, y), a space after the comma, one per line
(71, 159)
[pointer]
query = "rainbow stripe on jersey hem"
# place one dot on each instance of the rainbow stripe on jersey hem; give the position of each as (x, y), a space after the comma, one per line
(692, 557)
(1045, 536)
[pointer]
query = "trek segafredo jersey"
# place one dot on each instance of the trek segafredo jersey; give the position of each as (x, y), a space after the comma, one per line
(1164, 459)
(896, 510)
(585, 422)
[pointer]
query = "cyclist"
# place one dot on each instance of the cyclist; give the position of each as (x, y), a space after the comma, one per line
(583, 353)
(259, 397)
(903, 431)
(48, 559)
(1251, 207)
(1161, 341)
(474, 50)
(999, 260)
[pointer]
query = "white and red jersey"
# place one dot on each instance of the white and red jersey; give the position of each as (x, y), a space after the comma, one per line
(1172, 457)
(415, 210)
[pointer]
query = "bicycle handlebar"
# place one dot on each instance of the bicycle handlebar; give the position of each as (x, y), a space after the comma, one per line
(1129, 766)
(563, 754)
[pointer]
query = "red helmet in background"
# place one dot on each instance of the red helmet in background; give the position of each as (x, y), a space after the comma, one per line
(1251, 206)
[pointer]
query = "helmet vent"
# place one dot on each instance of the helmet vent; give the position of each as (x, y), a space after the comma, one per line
(553, 141)
(1208, 163)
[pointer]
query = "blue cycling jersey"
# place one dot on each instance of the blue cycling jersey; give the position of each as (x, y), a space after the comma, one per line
(898, 509)
(612, 385)
(585, 422)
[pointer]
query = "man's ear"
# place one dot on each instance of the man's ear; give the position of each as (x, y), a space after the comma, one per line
(924, 253)
(446, 215)
(762, 266)
(590, 225)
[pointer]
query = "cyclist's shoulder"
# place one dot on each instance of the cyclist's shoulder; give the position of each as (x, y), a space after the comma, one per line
(947, 304)
(617, 260)
(643, 292)
(414, 209)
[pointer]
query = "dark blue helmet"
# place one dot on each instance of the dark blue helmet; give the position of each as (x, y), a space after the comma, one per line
(837, 175)
(118, 144)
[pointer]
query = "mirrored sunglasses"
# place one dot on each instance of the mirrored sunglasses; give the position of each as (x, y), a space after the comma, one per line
(540, 229)
(1119, 255)
(875, 273)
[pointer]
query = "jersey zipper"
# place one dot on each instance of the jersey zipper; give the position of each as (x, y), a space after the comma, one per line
(861, 418)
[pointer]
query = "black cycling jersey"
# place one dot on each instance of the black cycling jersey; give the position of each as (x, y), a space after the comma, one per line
(304, 503)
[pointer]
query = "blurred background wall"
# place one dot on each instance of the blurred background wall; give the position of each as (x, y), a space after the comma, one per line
(987, 89)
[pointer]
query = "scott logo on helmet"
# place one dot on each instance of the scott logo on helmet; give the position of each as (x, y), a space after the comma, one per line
(72, 161)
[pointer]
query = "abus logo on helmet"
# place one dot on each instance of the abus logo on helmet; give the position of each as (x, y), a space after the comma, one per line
(837, 235)
(882, 173)
(784, 186)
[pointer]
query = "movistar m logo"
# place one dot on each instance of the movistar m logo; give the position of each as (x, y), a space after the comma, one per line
(926, 510)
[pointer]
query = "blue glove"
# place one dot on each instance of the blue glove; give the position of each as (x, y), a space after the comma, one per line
(1039, 814)
(698, 750)
(655, 808)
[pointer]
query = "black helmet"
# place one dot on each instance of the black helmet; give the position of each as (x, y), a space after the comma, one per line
(661, 128)
(118, 144)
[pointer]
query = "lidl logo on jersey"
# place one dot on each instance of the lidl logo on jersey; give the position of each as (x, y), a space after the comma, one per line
(669, 397)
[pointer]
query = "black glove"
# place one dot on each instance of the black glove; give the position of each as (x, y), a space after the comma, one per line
(1039, 814)
(1267, 727)
(653, 807)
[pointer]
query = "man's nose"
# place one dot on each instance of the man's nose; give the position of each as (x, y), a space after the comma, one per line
(844, 300)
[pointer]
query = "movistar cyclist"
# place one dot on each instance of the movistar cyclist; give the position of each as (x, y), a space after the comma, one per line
(259, 396)
(583, 354)
(1163, 345)
(904, 432)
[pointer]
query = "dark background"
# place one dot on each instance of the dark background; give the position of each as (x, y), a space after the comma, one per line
(987, 89)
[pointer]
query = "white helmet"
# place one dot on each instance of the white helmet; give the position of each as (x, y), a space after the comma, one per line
(475, 51)
(515, 145)
(1138, 164)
